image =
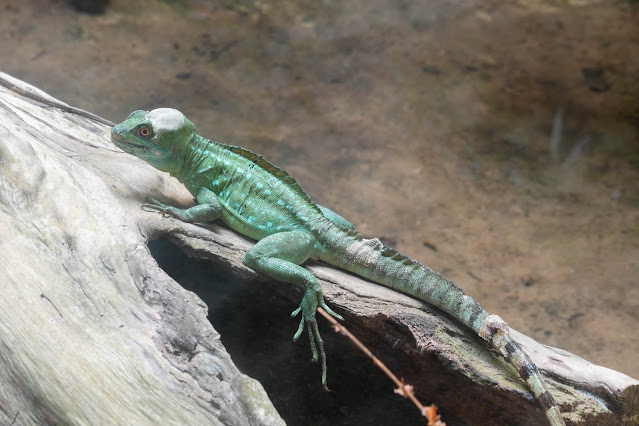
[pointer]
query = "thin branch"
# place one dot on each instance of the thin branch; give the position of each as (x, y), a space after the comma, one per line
(403, 389)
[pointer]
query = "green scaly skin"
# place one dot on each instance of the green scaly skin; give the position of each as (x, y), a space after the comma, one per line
(261, 201)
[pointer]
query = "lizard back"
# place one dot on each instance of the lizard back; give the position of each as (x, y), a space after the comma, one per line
(259, 198)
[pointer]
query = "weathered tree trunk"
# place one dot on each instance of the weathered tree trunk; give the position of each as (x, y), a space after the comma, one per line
(92, 331)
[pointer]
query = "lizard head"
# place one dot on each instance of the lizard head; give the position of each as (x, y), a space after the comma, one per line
(159, 137)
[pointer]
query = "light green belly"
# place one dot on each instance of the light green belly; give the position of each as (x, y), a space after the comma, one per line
(254, 226)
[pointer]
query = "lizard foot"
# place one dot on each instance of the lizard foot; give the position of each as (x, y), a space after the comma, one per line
(154, 205)
(312, 299)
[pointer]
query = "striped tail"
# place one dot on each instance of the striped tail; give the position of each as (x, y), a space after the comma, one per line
(496, 332)
(384, 265)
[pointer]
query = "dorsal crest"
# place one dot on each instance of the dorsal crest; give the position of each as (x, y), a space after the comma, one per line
(275, 171)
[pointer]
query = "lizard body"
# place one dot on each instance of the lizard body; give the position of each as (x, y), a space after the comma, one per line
(261, 201)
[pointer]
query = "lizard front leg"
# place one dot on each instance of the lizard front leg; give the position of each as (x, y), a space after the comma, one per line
(208, 208)
(279, 256)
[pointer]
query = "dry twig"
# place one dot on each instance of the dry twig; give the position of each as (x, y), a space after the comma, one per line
(403, 389)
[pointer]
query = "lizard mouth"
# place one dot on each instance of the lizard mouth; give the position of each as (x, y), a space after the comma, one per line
(125, 144)
(139, 150)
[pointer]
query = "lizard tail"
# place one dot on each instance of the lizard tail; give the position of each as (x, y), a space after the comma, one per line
(384, 265)
(496, 332)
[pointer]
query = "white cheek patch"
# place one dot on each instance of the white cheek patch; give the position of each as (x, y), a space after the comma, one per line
(165, 119)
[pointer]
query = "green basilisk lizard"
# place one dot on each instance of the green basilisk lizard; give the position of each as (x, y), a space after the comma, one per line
(259, 200)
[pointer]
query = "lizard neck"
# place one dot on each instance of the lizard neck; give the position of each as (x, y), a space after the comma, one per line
(188, 162)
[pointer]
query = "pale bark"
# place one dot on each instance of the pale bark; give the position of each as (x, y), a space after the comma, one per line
(92, 331)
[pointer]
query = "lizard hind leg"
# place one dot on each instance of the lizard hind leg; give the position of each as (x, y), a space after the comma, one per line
(279, 256)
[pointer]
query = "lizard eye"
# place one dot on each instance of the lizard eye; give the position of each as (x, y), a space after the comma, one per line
(144, 132)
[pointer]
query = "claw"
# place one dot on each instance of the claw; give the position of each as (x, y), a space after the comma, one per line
(149, 207)
(320, 343)
(299, 331)
(313, 336)
(154, 205)
(155, 201)
(310, 301)
(164, 211)
(330, 311)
